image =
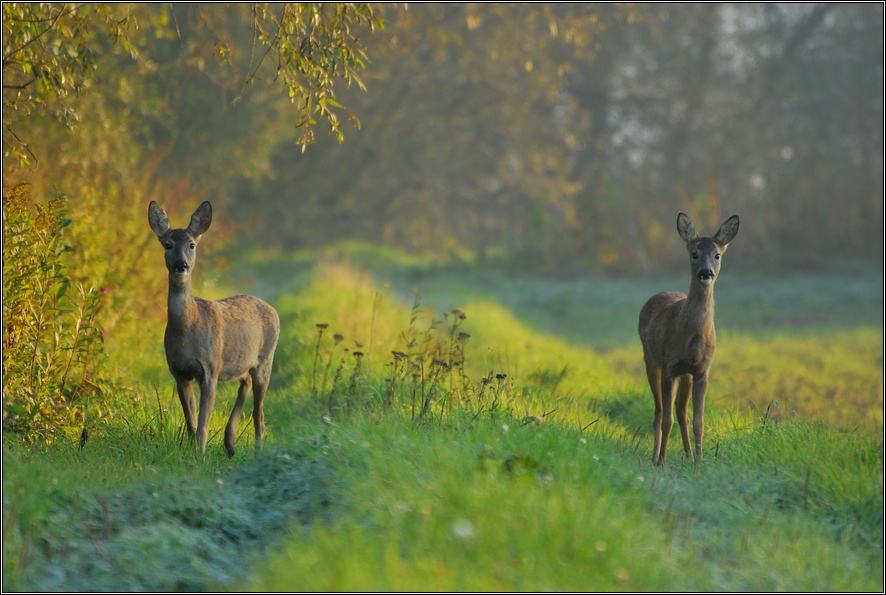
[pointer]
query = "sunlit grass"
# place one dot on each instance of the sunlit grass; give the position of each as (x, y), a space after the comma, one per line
(543, 508)
(449, 515)
(527, 509)
(530, 470)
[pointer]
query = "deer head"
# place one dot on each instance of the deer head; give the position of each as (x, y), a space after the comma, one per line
(180, 244)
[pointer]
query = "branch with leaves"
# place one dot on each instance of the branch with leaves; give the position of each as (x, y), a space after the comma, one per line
(310, 46)
(50, 51)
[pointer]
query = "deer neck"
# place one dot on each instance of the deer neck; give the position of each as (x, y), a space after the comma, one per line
(181, 305)
(699, 308)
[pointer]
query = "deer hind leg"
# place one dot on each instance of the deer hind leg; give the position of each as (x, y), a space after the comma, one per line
(261, 377)
(684, 385)
(231, 428)
(654, 376)
(189, 405)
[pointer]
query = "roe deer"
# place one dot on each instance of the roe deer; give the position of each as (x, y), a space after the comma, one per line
(206, 341)
(679, 339)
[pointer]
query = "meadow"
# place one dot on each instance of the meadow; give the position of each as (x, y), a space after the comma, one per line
(435, 426)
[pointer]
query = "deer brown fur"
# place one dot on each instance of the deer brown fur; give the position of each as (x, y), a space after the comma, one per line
(678, 336)
(208, 341)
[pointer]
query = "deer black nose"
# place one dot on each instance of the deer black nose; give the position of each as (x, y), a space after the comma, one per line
(180, 266)
(705, 275)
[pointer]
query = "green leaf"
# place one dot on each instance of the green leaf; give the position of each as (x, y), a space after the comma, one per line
(17, 410)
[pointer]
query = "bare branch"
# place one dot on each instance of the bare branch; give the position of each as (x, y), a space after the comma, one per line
(20, 87)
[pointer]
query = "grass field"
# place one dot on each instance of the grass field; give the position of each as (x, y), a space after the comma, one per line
(506, 450)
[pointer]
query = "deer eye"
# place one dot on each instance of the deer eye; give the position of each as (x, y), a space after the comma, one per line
(695, 256)
(717, 256)
(168, 245)
(192, 245)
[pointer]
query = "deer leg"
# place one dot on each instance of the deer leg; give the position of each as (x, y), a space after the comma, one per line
(231, 428)
(207, 402)
(186, 396)
(683, 387)
(261, 378)
(667, 414)
(654, 376)
(699, 389)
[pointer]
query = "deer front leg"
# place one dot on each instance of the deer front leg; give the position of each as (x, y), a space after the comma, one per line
(667, 414)
(186, 396)
(683, 387)
(231, 428)
(699, 389)
(207, 402)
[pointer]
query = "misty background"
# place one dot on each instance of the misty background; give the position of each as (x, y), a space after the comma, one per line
(553, 139)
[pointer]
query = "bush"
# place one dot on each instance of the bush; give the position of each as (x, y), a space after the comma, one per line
(51, 340)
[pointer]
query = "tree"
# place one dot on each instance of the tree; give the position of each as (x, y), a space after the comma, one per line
(468, 140)
(51, 51)
(568, 136)
(563, 135)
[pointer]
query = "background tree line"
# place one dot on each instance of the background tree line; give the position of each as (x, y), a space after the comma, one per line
(566, 137)
(560, 137)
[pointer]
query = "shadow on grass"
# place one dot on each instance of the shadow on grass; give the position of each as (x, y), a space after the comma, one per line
(171, 530)
(631, 410)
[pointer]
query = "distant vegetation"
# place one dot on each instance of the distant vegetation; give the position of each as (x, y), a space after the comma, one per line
(558, 137)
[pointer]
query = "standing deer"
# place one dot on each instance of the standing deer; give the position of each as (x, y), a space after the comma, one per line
(679, 339)
(206, 341)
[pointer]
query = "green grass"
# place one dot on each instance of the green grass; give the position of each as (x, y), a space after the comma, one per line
(538, 479)
(137, 509)
(528, 509)
(543, 508)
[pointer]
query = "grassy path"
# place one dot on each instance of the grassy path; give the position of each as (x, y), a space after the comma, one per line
(532, 474)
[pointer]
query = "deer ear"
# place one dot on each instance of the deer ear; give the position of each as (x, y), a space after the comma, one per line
(686, 228)
(157, 219)
(201, 219)
(727, 231)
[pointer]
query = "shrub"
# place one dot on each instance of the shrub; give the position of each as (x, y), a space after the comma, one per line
(51, 339)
